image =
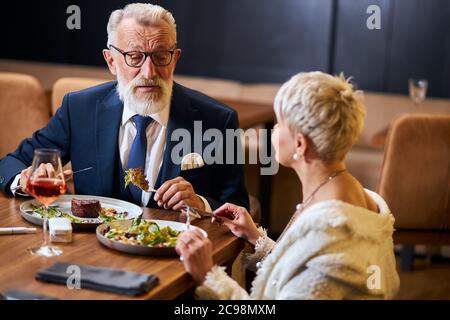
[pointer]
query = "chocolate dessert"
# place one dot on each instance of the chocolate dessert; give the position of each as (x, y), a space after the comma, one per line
(85, 208)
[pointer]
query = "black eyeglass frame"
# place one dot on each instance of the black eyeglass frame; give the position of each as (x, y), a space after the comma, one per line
(146, 54)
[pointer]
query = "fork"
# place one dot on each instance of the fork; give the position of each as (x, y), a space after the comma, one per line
(150, 189)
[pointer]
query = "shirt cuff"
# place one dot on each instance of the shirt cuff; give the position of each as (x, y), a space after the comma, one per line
(206, 203)
(13, 187)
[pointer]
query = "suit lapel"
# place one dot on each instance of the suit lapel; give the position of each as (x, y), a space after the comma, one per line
(108, 119)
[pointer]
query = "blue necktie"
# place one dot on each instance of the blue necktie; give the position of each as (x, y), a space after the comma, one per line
(138, 152)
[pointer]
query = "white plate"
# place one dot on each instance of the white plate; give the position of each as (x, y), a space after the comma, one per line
(139, 249)
(64, 204)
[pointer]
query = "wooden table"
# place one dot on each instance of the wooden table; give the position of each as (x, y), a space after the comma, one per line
(251, 114)
(18, 268)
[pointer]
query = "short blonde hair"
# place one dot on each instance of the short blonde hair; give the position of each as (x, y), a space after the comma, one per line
(326, 109)
(146, 14)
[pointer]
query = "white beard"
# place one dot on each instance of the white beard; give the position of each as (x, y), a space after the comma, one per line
(151, 103)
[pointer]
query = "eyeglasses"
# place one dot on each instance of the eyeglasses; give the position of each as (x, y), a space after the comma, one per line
(136, 59)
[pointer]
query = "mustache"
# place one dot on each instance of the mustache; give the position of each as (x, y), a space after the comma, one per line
(127, 91)
(146, 82)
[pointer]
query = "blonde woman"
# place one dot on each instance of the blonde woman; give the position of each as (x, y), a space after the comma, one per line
(338, 243)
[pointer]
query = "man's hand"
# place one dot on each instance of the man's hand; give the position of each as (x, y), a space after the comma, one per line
(174, 193)
(44, 170)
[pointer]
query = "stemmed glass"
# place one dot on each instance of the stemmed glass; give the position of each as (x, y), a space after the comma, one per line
(46, 183)
(418, 90)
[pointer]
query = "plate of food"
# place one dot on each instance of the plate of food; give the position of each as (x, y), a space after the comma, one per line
(142, 236)
(84, 212)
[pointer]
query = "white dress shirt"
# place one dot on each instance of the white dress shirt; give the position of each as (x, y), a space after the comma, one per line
(156, 143)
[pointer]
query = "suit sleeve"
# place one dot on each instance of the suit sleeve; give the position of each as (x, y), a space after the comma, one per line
(229, 178)
(55, 135)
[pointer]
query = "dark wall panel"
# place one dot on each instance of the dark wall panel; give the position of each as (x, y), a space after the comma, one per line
(253, 40)
(360, 52)
(35, 30)
(446, 80)
(258, 40)
(419, 34)
(88, 43)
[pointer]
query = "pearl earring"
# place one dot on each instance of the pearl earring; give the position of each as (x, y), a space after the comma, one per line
(295, 156)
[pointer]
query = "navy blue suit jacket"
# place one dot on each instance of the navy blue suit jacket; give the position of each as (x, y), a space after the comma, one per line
(85, 129)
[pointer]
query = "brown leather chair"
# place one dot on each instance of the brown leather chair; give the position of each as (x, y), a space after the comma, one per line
(62, 87)
(415, 181)
(65, 85)
(23, 109)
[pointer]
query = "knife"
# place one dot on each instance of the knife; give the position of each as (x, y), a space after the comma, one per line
(17, 230)
(16, 188)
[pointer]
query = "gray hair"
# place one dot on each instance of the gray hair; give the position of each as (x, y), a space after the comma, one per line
(144, 13)
(326, 109)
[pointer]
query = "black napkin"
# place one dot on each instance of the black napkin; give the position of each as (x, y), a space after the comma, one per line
(101, 279)
(15, 294)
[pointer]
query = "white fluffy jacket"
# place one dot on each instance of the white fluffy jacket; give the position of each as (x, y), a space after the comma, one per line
(334, 250)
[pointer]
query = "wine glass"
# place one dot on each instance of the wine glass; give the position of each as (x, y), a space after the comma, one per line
(418, 90)
(46, 183)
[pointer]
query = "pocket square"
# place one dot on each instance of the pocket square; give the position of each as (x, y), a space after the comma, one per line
(191, 161)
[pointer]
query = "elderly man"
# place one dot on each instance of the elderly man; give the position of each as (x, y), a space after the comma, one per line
(129, 124)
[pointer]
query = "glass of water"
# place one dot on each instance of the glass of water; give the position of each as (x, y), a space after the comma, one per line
(418, 90)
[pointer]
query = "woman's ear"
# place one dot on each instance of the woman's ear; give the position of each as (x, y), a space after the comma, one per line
(110, 61)
(302, 144)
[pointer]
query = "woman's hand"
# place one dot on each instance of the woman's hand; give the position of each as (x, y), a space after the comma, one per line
(195, 251)
(239, 221)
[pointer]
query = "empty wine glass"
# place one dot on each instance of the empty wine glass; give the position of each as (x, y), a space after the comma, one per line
(418, 90)
(46, 183)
